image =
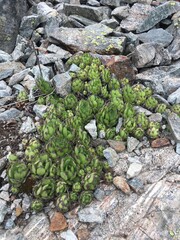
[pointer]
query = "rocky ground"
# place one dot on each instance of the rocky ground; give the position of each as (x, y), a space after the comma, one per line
(137, 39)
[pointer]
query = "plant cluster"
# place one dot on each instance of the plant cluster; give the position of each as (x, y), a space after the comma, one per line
(62, 161)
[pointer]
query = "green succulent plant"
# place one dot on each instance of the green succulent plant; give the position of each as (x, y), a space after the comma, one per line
(153, 132)
(176, 109)
(63, 203)
(138, 133)
(86, 198)
(44, 86)
(128, 94)
(113, 84)
(151, 103)
(91, 181)
(37, 205)
(61, 187)
(161, 108)
(142, 121)
(22, 96)
(45, 189)
(70, 101)
(17, 173)
(77, 86)
(108, 177)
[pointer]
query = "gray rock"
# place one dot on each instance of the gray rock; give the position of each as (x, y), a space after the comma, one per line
(155, 117)
(174, 48)
(99, 194)
(62, 83)
(139, 109)
(121, 12)
(5, 196)
(9, 114)
(9, 224)
(119, 125)
(27, 126)
(111, 156)
(8, 68)
(132, 143)
(150, 54)
(102, 134)
(174, 97)
(137, 15)
(60, 66)
(158, 35)
(39, 110)
(5, 187)
(96, 14)
(178, 148)
(3, 162)
(68, 235)
(134, 170)
(4, 57)
(3, 210)
(93, 3)
(89, 40)
(18, 52)
(74, 68)
(5, 90)
(157, 14)
(136, 185)
(29, 82)
(91, 215)
(26, 202)
(112, 23)
(18, 77)
(164, 80)
(81, 20)
(110, 3)
(174, 123)
(38, 228)
(46, 72)
(29, 24)
(44, 10)
(10, 18)
(62, 54)
(92, 128)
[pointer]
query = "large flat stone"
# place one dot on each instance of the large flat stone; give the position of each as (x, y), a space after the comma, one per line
(96, 14)
(93, 38)
(158, 14)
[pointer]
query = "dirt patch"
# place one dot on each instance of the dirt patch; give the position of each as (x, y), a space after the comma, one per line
(9, 136)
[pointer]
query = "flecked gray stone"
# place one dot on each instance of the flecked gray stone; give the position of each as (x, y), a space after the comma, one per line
(9, 224)
(4, 195)
(157, 35)
(132, 143)
(178, 148)
(63, 54)
(119, 125)
(89, 40)
(111, 156)
(28, 126)
(18, 77)
(68, 235)
(140, 109)
(157, 14)
(155, 117)
(93, 3)
(91, 215)
(5, 90)
(134, 170)
(9, 114)
(8, 68)
(92, 128)
(39, 110)
(44, 10)
(150, 54)
(121, 12)
(62, 83)
(3, 210)
(136, 185)
(174, 97)
(94, 13)
(137, 14)
(4, 57)
(3, 162)
(46, 72)
(112, 23)
(174, 123)
(110, 3)
(28, 24)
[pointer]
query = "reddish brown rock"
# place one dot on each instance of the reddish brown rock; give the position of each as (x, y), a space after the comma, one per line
(160, 142)
(118, 146)
(58, 222)
(83, 234)
(19, 210)
(121, 66)
(120, 183)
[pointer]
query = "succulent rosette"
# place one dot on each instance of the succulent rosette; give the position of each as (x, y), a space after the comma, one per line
(153, 132)
(84, 110)
(106, 75)
(17, 173)
(128, 111)
(142, 121)
(63, 203)
(86, 198)
(91, 181)
(37, 205)
(113, 84)
(94, 86)
(40, 167)
(108, 177)
(151, 103)
(61, 187)
(45, 189)
(128, 94)
(138, 133)
(96, 103)
(77, 86)
(161, 108)
(70, 101)
(76, 187)
(176, 109)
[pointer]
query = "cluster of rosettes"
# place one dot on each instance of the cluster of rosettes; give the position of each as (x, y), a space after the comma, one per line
(62, 161)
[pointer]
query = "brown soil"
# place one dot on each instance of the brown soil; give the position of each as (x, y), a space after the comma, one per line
(9, 136)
